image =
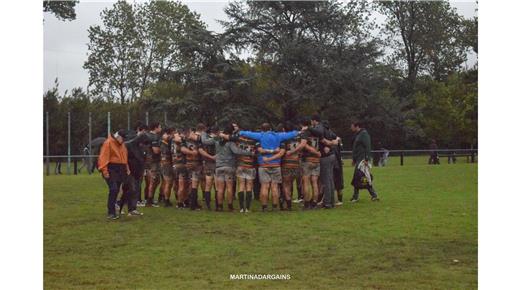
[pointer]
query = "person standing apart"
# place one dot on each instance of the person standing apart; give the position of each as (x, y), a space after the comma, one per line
(361, 152)
(113, 164)
(434, 155)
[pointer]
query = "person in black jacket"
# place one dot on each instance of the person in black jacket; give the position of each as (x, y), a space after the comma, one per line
(337, 171)
(132, 189)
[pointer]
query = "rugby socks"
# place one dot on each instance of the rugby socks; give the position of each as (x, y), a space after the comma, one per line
(230, 207)
(300, 192)
(264, 207)
(275, 206)
(306, 204)
(241, 199)
(289, 204)
(193, 199)
(281, 200)
(207, 199)
(249, 197)
(340, 197)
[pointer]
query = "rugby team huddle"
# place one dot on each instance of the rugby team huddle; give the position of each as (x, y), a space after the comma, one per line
(229, 162)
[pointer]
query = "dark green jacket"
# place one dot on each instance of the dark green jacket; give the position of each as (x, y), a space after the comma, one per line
(361, 149)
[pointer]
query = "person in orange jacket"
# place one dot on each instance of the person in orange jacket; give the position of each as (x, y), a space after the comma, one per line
(113, 164)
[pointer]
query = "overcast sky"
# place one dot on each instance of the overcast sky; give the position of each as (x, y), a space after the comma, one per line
(65, 42)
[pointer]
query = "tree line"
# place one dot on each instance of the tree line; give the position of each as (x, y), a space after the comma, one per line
(276, 61)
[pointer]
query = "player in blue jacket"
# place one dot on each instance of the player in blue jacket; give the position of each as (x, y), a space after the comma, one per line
(269, 162)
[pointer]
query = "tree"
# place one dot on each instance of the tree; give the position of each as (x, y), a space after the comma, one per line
(310, 52)
(138, 44)
(63, 10)
(448, 111)
(470, 29)
(426, 37)
(165, 26)
(114, 52)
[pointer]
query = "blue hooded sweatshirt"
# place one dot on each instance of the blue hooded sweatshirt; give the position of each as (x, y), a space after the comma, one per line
(269, 140)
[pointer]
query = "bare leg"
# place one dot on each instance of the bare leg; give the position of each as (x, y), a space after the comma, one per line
(180, 192)
(275, 191)
(221, 185)
(264, 194)
(315, 188)
(229, 193)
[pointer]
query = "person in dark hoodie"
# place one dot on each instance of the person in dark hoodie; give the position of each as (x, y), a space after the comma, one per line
(338, 166)
(132, 189)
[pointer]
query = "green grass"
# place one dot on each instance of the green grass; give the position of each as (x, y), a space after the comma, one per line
(427, 218)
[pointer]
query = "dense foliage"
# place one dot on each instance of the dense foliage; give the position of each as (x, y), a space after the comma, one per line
(276, 61)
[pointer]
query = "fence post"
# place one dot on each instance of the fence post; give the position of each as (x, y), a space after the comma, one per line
(146, 119)
(108, 124)
(89, 142)
(402, 158)
(75, 166)
(472, 156)
(68, 143)
(47, 161)
(128, 120)
(165, 118)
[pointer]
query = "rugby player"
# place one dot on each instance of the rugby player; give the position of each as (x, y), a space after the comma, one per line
(310, 169)
(207, 151)
(166, 166)
(291, 162)
(246, 173)
(269, 171)
(152, 160)
(226, 166)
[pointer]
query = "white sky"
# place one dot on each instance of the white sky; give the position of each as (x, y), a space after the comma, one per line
(65, 42)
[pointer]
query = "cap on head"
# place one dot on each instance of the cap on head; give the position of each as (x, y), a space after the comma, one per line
(121, 133)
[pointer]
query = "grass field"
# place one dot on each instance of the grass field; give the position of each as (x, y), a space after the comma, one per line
(422, 235)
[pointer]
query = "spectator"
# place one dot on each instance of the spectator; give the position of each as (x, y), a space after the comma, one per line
(113, 164)
(383, 159)
(361, 154)
(434, 155)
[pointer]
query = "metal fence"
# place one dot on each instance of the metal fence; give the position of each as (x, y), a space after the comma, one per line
(74, 163)
(67, 154)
